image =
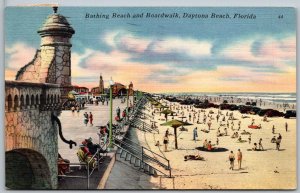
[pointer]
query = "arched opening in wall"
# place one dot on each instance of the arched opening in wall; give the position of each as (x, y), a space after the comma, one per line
(37, 99)
(51, 99)
(32, 100)
(122, 92)
(42, 99)
(9, 102)
(27, 100)
(22, 101)
(48, 99)
(16, 102)
(26, 169)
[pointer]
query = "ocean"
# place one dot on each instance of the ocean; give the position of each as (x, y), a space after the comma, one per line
(269, 97)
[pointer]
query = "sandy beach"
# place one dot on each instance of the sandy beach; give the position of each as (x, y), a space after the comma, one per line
(269, 169)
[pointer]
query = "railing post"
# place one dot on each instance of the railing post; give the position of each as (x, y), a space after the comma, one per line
(98, 159)
(88, 175)
(142, 154)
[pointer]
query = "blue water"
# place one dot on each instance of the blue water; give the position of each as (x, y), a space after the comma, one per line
(272, 97)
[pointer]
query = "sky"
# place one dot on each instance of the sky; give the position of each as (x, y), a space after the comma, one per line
(167, 54)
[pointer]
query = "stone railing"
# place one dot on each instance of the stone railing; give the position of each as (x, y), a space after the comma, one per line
(20, 96)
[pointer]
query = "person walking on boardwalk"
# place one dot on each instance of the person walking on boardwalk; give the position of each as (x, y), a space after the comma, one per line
(166, 141)
(286, 126)
(118, 112)
(260, 144)
(195, 134)
(239, 158)
(273, 129)
(91, 118)
(86, 118)
(231, 160)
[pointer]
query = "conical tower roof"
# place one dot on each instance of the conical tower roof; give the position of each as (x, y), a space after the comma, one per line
(56, 24)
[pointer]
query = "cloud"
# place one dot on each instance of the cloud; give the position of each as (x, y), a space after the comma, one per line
(191, 47)
(16, 56)
(129, 42)
(176, 64)
(113, 64)
(126, 41)
(263, 52)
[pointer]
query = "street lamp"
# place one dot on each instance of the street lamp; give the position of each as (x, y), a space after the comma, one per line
(127, 101)
(111, 83)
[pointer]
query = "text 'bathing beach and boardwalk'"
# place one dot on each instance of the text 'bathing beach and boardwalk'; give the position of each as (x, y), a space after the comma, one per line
(170, 16)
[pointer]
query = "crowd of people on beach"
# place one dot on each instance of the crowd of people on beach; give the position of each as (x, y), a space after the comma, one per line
(222, 121)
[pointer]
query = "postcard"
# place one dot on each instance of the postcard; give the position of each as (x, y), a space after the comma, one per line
(150, 98)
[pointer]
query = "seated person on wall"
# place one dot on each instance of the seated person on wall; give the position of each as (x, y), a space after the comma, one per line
(103, 133)
(93, 147)
(85, 148)
(85, 156)
(63, 165)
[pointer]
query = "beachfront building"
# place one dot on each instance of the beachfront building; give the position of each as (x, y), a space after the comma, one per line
(99, 89)
(130, 89)
(80, 89)
(119, 89)
(101, 85)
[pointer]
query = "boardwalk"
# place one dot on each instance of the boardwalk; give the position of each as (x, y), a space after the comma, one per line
(74, 129)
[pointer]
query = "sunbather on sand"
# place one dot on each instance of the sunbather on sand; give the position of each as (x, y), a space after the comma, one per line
(193, 157)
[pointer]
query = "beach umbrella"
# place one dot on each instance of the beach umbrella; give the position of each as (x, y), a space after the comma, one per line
(166, 112)
(154, 103)
(175, 124)
(161, 106)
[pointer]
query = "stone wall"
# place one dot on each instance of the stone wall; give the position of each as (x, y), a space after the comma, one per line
(28, 124)
(30, 72)
(62, 65)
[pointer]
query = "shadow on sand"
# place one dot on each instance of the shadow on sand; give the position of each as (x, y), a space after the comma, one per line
(216, 149)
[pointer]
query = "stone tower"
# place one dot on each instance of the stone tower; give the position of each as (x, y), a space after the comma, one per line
(52, 62)
(130, 89)
(101, 85)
